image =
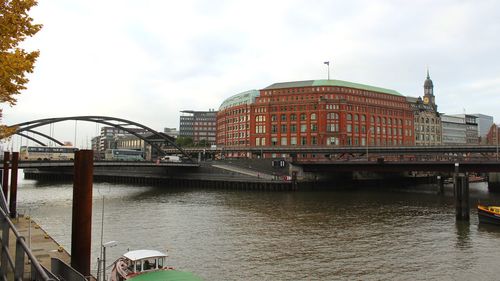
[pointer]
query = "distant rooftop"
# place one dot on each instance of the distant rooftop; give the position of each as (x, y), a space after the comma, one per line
(338, 83)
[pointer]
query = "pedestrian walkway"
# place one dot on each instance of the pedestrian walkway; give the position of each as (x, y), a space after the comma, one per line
(244, 171)
(42, 245)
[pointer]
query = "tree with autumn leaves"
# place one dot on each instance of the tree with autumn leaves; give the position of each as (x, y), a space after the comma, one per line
(15, 62)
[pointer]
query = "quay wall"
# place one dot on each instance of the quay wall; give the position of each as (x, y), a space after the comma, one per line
(205, 176)
(242, 174)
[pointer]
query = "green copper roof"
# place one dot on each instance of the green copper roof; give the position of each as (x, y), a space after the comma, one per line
(247, 97)
(166, 275)
(338, 83)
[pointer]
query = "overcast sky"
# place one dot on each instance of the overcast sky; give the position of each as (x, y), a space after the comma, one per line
(148, 60)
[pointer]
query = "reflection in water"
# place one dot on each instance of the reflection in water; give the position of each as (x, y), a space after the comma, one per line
(463, 235)
(229, 235)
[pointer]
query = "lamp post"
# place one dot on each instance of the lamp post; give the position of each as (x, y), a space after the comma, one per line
(104, 246)
(368, 143)
(497, 140)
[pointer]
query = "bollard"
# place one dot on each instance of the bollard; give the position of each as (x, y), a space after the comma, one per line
(13, 185)
(81, 228)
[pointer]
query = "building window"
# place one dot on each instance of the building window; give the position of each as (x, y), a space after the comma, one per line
(283, 128)
(349, 128)
(303, 128)
(274, 118)
(293, 141)
(293, 128)
(303, 141)
(274, 141)
(283, 141)
(314, 140)
(332, 127)
(332, 141)
(283, 117)
(314, 127)
(349, 117)
(274, 128)
(302, 117)
(332, 116)
(313, 116)
(293, 117)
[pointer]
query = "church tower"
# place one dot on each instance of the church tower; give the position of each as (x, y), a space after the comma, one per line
(429, 91)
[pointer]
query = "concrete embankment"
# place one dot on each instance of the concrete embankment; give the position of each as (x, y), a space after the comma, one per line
(219, 175)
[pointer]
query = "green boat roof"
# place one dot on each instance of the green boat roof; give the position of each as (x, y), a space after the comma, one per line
(166, 275)
(339, 83)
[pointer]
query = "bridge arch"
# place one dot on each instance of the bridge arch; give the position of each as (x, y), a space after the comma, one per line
(106, 120)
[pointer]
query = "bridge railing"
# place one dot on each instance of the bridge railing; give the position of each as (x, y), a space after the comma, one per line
(16, 264)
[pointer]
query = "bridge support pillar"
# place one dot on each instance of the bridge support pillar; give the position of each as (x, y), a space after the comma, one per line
(461, 194)
(494, 182)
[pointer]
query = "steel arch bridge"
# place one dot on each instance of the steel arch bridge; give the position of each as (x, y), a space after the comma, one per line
(118, 123)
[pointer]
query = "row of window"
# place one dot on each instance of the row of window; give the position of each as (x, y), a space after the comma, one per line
(313, 140)
(337, 89)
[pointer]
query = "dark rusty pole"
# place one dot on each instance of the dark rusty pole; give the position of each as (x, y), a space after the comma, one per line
(81, 229)
(13, 185)
(5, 178)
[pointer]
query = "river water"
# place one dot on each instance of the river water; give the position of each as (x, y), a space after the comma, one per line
(363, 234)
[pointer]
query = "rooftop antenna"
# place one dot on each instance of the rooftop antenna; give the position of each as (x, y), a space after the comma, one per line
(328, 64)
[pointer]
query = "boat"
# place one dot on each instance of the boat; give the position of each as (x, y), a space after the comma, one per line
(476, 178)
(488, 214)
(147, 265)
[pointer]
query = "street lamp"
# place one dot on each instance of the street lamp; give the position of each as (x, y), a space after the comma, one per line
(109, 244)
(368, 143)
(497, 140)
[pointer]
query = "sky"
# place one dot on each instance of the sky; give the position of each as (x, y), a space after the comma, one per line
(147, 60)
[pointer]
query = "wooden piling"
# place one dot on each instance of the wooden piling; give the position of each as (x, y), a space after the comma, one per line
(461, 193)
(13, 185)
(81, 230)
(440, 185)
(5, 178)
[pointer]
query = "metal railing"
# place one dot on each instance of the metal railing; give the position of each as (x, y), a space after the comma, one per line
(16, 264)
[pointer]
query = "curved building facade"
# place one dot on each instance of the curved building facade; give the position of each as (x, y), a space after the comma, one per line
(233, 119)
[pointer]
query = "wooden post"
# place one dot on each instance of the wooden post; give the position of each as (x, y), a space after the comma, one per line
(13, 185)
(465, 197)
(81, 230)
(461, 193)
(5, 178)
(440, 182)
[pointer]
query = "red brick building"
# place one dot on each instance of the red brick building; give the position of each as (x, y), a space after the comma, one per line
(233, 119)
(318, 113)
(493, 135)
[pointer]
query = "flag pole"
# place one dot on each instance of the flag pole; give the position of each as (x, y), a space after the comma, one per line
(328, 64)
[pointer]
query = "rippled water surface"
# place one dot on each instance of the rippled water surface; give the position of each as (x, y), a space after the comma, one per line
(229, 235)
